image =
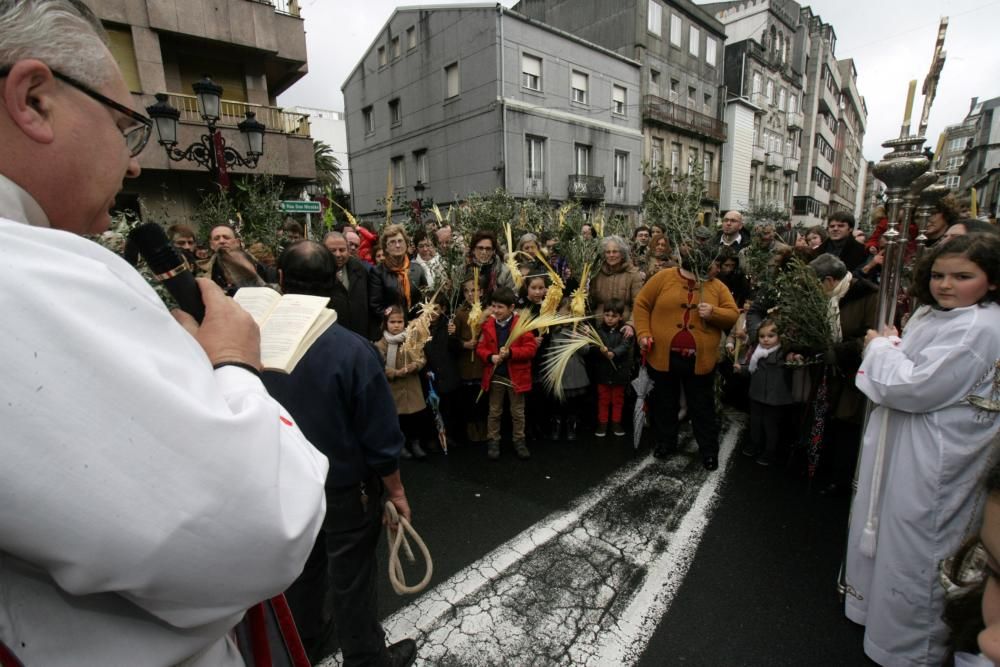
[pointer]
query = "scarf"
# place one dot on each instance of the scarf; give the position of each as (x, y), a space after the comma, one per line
(402, 275)
(488, 274)
(393, 341)
(759, 353)
(833, 309)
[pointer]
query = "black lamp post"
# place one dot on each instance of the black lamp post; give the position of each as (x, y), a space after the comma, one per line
(418, 205)
(211, 151)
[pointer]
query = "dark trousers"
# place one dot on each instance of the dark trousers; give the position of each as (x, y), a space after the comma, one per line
(665, 402)
(765, 426)
(338, 584)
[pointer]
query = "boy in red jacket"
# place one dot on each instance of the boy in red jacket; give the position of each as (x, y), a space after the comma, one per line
(506, 372)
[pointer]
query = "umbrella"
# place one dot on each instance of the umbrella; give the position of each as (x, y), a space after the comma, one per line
(642, 385)
(434, 401)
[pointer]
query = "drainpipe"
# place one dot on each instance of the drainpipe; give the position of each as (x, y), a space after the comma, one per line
(500, 97)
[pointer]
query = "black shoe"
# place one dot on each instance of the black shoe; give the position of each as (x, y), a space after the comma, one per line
(751, 451)
(571, 430)
(402, 653)
(710, 463)
(556, 429)
(404, 454)
(662, 451)
(765, 460)
(417, 451)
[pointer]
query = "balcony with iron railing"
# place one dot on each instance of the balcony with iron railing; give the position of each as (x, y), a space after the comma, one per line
(794, 120)
(289, 7)
(757, 154)
(658, 110)
(712, 189)
(232, 113)
(775, 161)
(791, 165)
(586, 187)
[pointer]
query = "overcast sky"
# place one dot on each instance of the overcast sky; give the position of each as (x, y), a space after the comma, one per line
(891, 42)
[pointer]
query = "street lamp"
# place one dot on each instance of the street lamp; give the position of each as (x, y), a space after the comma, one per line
(211, 150)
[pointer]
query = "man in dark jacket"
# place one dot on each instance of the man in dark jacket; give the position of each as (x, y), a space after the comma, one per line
(841, 242)
(340, 398)
(858, 310)
(349, 296)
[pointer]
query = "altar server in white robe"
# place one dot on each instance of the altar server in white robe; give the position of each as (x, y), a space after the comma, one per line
(146, 499)
(925, 451)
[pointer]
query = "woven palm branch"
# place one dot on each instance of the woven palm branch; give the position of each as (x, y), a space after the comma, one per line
(526, 322)
(560, 353)
(553, 297)
(350, 218)
(515, 271)
(418, 331)
(437, 214)
(578, 300)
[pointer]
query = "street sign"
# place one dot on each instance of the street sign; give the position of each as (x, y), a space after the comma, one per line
(297, 206)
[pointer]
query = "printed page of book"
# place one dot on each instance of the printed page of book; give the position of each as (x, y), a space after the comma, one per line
(322, 323)
(258, 301)
(286, 327)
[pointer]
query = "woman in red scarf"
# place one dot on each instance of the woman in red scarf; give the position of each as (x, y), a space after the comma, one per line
(395, 280)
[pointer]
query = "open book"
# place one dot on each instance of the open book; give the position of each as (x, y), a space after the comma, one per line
(288, 324)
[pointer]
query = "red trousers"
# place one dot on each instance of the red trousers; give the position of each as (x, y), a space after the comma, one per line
(613, 395)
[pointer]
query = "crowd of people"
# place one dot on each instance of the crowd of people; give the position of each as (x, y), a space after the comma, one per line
(125, 424)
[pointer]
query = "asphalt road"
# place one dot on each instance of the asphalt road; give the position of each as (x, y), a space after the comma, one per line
(753, 582)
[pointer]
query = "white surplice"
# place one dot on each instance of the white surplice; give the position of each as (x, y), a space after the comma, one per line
(146, 500)
(937, 448)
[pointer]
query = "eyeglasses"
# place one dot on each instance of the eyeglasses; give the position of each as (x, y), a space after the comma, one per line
(136, 136)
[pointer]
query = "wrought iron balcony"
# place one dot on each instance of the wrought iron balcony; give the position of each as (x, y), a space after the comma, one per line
(290, 7)
(274, 118)
(658, 110)
(775, 161)
(757, 155)
(712, 190)
(791, 165)
(534, 185)
(586, 187)
(794, 120)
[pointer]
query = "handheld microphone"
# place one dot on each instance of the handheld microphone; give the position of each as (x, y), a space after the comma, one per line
(168, 267)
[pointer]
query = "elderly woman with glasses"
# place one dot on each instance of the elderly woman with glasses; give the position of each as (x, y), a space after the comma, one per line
(485, 255)
(395, 281)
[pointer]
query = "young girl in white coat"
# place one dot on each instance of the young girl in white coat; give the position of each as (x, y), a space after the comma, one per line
(925, 450)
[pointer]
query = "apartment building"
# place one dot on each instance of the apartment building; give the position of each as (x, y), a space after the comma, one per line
(330, 127)
(451, 101)
(950, 154)
(255, 49)
(764, 75)
(680, 47)
(847, 186)
(981, 168)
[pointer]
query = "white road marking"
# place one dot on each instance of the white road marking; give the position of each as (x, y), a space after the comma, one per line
(587, 586)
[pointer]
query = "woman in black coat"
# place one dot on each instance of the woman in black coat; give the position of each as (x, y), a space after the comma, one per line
(395, 280)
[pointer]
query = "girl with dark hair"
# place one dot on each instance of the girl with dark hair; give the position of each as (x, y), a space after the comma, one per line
(926, 447)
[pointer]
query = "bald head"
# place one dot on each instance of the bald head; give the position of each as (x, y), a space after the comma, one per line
(306, 267)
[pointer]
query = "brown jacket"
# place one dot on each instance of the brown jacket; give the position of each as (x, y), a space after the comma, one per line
(407, 393)
(659, 313)
(623, 284)
(470, 367)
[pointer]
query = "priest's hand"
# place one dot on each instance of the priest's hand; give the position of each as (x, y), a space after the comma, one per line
(227, 333)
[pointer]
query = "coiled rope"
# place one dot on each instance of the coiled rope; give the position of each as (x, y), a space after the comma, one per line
(397, 539)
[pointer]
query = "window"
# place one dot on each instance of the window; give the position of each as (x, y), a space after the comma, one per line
(654, 81)
(692, 159)
(706, 165)
(582, 160)
(955, 162)
(951, 181)
(420, 159)
(757, 82)
(621, 169)
(531, 72)
(398, 172)
(369, 120)
(769, 92)
(411, 37)
(781, 99)
(694, 42)
(675, 30)
(395, 115)
(534, 157)
(708, 104)
(793, 103)
(824, 147)
(396, 49)
(451, 81)
(675, 89)
(381, 57)
(820, 178)
(578, 83)
(675, 158)
(618, 99)
(654, 18)
(957, 144)
(122, 49)
(656, 152)
(710, 51)
(692, 97)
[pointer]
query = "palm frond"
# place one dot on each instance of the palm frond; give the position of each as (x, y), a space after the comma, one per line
(561, 351)
(526, 322)
(350, 218)
(437, 214)
(515, 271)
